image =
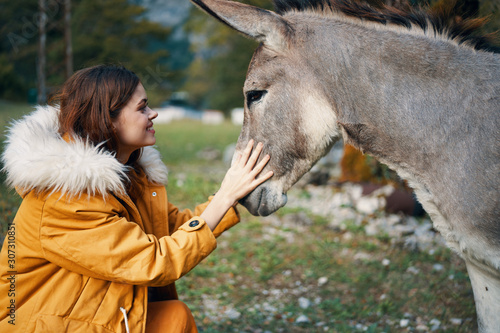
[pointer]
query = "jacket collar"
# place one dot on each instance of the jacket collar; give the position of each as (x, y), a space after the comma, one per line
(37, 157)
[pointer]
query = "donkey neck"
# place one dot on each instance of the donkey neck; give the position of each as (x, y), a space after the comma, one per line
(401, 87)
(421, 105)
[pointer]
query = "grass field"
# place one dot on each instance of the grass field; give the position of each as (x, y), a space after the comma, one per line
(270, 276)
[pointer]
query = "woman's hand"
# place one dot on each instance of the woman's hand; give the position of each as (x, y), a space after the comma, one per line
(241, 179)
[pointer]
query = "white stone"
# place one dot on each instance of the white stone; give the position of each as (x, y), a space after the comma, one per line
(435, 324)
(347, 236)
(302, 319)
(422, 328)
(304, 303)
(386, 262)
(368, 205)
(372, 229)
(438, 267)
(269, 308)
(232, 314)
(322, 281)
(456, 321)
(362, 256)
(413, 270)
(404, 322)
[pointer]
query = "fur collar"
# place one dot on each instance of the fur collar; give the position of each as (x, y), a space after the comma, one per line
(37, 157)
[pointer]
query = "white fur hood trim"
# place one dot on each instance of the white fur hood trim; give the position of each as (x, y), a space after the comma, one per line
(37, 157)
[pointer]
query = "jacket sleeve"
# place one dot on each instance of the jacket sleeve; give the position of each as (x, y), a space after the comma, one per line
(176, 217)
(91, 237)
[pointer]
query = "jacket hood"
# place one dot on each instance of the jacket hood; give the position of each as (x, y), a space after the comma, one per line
(37, 157)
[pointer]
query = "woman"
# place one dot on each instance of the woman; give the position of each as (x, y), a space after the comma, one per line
(95, 228)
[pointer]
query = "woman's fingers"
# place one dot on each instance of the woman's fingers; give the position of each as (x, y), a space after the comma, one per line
(255, 155)
(249, 157)
(263, 178)
(246, 153)
(245, 173)
(260, 166)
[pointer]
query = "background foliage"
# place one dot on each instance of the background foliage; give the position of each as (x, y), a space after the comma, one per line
(111, 31)
(212, 70)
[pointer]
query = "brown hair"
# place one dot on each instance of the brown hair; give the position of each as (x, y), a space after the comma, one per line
(90, 100)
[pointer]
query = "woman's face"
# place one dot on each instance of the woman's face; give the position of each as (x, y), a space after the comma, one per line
(134, 125)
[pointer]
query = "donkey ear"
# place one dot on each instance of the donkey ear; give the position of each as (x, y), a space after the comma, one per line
(259, 24)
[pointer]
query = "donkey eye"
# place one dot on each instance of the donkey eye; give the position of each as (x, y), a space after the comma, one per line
(255, 96)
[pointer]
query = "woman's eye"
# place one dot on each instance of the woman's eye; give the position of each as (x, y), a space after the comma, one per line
(255, 96)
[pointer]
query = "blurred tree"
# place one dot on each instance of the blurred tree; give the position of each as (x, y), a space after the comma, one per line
(215, 78)
(18, 47)
(68, 46)
(41, 61)
(112, 31)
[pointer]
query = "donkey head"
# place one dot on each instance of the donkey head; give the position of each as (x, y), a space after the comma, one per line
(286, 107)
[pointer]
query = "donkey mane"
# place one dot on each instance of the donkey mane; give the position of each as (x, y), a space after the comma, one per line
(441, 19)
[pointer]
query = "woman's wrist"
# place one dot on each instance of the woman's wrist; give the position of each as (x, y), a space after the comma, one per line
(216, 209)
(224, 199)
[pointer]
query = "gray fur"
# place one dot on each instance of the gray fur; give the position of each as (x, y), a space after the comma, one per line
(420, 103)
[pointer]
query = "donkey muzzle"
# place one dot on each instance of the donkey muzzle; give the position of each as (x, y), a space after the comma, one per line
(264, 201)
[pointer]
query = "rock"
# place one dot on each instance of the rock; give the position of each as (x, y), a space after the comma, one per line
(322, 281)
(304, 303)
(422, 328)
(437, 267)
(372, 229)
(347, 236)
(404, 322)
(413, 270)
(232, 314)
(369, 205)
(302, 319)
(435, 324)
(362, 256)
(346, 202)
(269, 308)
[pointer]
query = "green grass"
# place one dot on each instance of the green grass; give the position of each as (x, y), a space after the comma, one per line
(250, 268)
(191, 179)
(180, 141)
(10, 111)
(261, 269)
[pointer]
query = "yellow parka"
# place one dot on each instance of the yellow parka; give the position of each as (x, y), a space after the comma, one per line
(80, 254)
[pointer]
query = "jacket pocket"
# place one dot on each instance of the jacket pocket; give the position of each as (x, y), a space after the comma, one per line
(51, 324)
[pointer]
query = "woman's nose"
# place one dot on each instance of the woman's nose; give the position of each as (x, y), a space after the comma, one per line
(152, 113)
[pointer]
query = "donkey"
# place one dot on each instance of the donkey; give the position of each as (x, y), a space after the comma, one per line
(420, 96)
